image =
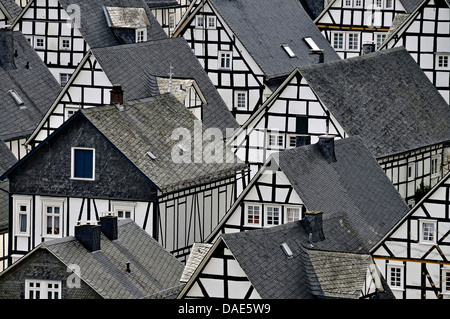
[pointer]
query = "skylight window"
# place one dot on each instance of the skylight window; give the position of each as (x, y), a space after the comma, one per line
(151, 155)
(17, 98)
(287, 251)
(288, 50)
(311, 44)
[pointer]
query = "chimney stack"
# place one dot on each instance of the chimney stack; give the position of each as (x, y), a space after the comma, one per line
(316, 56)
(326, 146)
(302, 140)
(368, 47)
(7, 48)
(312, 223)
(116, 94)
(88, 234)
(108, 225)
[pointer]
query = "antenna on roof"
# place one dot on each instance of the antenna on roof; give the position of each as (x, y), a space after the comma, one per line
(170, 77)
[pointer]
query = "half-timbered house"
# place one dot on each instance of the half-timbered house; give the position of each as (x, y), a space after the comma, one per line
(168, 13)
(112, 260)
(27, 89)
(63, 31)
(7, 160)
(248, 47)
(355, 97)
(349, 24)
(425, 34)
(150, 160)
(142, 70)
(414, 255)
(335, 176)
(9, 10)
(307, 259)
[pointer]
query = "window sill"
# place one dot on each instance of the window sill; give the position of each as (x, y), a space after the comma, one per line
(83, 179)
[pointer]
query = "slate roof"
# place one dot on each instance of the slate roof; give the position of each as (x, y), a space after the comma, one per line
(353, 187)
(411, 5)
(385, 98)
(313, 7)
(35, 85)
(11, 8)
(155, 4)
(94, 27)
(309, 273)
(147, 125)
(256, 23)
(7, 159)
(135, 66)
(155, 273)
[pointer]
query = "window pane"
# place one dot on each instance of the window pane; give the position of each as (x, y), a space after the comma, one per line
(83, 163)
(23, 223)
(49, 224)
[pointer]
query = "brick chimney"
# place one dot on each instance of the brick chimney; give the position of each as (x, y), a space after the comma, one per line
(7, 48)
(312, 223)
(302, 140)
(326, 146)
(116, 94)
(88, 234)
(109, 226)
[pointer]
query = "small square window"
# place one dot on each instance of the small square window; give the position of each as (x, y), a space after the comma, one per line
(358, 3)
(65, 44)
(428, 232)
(83, 163)
(39, 42)
(378, 3)
(253, 213)
(442, 61)
(347, 3)
(241, 100)
(293, 214)
(225, 60)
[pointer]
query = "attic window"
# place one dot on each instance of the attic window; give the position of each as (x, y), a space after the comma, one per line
(311, 44)
(151, 155)
(288, 50)
(17, 98)
(287, 251)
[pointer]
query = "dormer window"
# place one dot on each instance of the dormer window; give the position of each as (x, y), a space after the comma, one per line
(288, 50)
(141, 35)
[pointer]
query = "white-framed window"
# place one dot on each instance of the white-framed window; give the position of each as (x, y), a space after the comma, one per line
(428, 231)
(22, 214)
(338, 40)
(42, 289)
(70, 110)
(30, 40)
(83, 163)
(171, 20)
(39, 42)
(273, 215)
(275, 140)
(358, 3)
(378, 3)
(225, 60)
(240, 100)
(124, 210)
(445, 282)
(379, 39)
(353, 41)
(292, 141)
(141, 35)
(293, 214)
(395, 275)
(442, 61)
(65, 44)
(435, 163)
(64, 78)
(348, 3)
(253, 214)
(52, 215)
(200, 21)
(211, 22)
(388, 4)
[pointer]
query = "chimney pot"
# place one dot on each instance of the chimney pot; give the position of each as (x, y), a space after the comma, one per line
(302, 140)
(109, 227)
(368, 48)
(326, 146)
(89, 236)
(116, 94)
(7, 51)
(312, 222)
(316, 56)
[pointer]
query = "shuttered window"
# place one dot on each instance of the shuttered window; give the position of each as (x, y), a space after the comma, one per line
(83, 161)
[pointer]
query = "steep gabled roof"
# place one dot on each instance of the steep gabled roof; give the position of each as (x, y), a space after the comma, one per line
(134, 65)
(155, 273)
(33, 83)
(94, 26)
(10, 8)
(263, 26)
(385, 98)
(354, 186)
(148, 125)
